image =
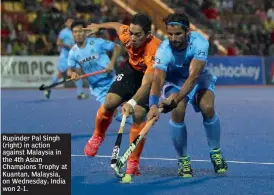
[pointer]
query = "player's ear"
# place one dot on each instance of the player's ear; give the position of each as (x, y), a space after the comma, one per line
(187, 30)
(149, 35)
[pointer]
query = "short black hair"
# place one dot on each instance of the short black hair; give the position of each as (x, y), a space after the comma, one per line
(178, 17)
(142, 20)
(78, 23)
(68, 17)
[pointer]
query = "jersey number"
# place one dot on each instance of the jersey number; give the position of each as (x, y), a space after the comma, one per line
(119, 77)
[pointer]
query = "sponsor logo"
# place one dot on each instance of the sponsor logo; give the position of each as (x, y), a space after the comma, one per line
(12, 66)
(242, 70)
(93, 57)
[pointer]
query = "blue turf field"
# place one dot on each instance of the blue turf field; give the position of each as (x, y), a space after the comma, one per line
(247, 117)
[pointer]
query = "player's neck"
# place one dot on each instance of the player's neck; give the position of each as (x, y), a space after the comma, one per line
(82, 45)
(141, 48)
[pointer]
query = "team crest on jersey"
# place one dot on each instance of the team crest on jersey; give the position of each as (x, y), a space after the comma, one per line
(201, 53)
(157, 60)
(125, 30)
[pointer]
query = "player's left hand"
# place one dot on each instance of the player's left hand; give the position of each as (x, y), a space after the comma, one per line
(168, 104)
(91, 29)
(127, 109)
(153, 113)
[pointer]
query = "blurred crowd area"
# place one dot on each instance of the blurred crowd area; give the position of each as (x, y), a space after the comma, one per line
(243, 27)
(31, 27)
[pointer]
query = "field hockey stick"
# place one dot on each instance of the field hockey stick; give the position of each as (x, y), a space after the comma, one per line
(121, 163)
(43, 87)
(118, 141)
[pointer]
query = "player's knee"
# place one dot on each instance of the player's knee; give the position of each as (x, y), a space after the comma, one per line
(109, 107)
(178, 114)
(138, 119)
(207, 109)
(111, 103)
(139, 115)
(178, 117)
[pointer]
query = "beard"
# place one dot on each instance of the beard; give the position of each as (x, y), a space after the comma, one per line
(177, 45)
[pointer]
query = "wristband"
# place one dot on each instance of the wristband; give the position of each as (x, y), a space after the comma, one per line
(132, 102)
(153, 100)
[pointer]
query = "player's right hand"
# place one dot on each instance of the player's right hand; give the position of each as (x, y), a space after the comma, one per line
(168, 105)
(153, 113)
(91, 29)
(74, 76)
(127, 109)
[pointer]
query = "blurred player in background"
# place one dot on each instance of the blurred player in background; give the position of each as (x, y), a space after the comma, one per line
(181, 62)
(65, 42)
(132, 84)
(91, 55)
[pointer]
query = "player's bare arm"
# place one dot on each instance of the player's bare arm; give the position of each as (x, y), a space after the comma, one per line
(155, 92)
(94, 28)
(145, 87)
(60, 43)
(158, 82)
(116, 52)
(195, 68)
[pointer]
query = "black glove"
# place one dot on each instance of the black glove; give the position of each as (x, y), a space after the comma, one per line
(168, 105)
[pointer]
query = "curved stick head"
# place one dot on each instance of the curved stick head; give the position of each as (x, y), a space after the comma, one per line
(117, 171)
(42, 87)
